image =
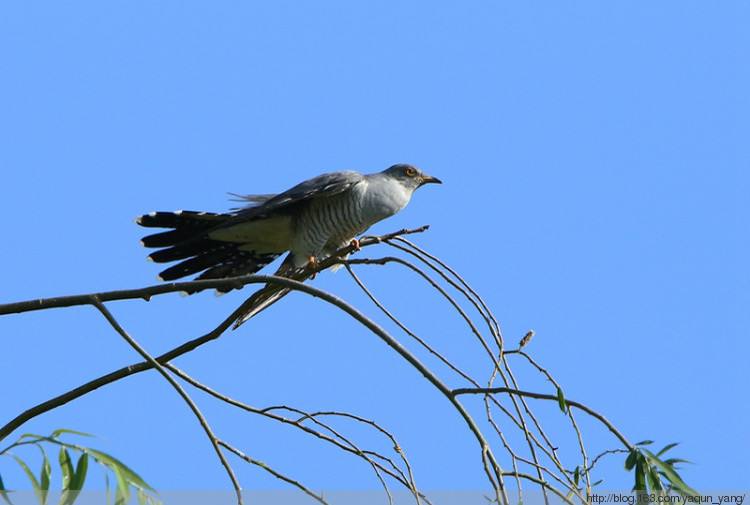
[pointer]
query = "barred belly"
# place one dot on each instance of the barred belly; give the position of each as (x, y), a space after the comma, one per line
(328, 224)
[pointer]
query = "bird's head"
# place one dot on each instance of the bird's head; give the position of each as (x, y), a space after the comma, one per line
(410, 176)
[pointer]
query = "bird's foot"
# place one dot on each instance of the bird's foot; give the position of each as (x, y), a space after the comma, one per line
(355, 244)
(312, 264)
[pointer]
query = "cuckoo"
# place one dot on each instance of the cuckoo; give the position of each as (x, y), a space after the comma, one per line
(312, 221)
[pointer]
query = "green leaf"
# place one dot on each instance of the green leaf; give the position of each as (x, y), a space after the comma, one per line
(122, 493)
(41, 495)
(62, 431)
(640, 474)
(654, 481)
(79, 477)
(672, 476)
(4, 492)
(597, 482)
(119, 467)
(70, 483)
(561, 400)
(106, 488)
(667, 447)
(28, 472)
(66, 467)
(645, 442)
(630, 461)
(44, 475)
(673, 461)
(577, 475)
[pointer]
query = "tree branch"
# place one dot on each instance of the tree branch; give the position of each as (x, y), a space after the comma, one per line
(542, 396)
(273, 472)
(159, 368)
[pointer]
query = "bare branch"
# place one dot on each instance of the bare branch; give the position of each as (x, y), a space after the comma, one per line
(406, 330)
(545, 485)
(542, 457)
(273, 472)
(159, 368)
(342, 442)
(188, 286)
(542, 396)
(146, 294)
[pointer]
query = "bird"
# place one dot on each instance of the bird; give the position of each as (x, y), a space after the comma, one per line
(310, 221)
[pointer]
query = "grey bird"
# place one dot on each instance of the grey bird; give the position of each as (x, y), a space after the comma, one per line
(312, 221)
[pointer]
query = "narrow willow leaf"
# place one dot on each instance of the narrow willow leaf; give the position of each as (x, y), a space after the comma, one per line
(44, 475)
(673, 461)
(597, 482)
(667, 447)
(630, 460)
(4, 492)
(127, 473)
(577, 475)
(654, 480)
(62, 431)
(28, 472)
(107, 494)
(645, 442)
(561, 400)
(672, 476)
(122, 493)
(66, 467)
(640, 474)
(79, 477)
(32, 478)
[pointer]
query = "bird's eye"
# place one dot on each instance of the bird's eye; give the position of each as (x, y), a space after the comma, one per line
(410, 171)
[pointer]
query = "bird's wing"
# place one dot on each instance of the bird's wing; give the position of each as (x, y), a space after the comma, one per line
(249, 200)
(324, 185)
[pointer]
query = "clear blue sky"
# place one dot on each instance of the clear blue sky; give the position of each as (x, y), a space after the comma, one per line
(596, 167)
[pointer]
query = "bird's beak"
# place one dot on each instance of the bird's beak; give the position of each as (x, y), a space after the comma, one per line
(427, 179)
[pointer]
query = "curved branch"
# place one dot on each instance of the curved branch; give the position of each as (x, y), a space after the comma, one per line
(542, 396)
(193, 407)
(146, 294)
(273, 472)
(340, 441)
(317, 293)
(542, 483)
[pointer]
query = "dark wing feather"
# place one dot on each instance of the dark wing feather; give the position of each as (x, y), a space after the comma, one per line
(249, 200)
(323, 185)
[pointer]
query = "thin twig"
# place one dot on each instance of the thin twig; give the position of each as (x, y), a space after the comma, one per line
(543, 484)
(273, 472)
(159, 368)
(406, 330)
(542, 396)
(579, 435)
(344, 443)
(146, 294)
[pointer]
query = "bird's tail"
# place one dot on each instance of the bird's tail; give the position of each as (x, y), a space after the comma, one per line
(188, 241)
(272, 293)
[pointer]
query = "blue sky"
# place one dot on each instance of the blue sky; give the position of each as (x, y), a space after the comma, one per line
(596, 175)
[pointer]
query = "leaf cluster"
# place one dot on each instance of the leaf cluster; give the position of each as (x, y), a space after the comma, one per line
(73, 462)
(656, 475)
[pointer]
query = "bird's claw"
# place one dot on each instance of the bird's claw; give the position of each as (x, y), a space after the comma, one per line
(312, 264)
(355, 244)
